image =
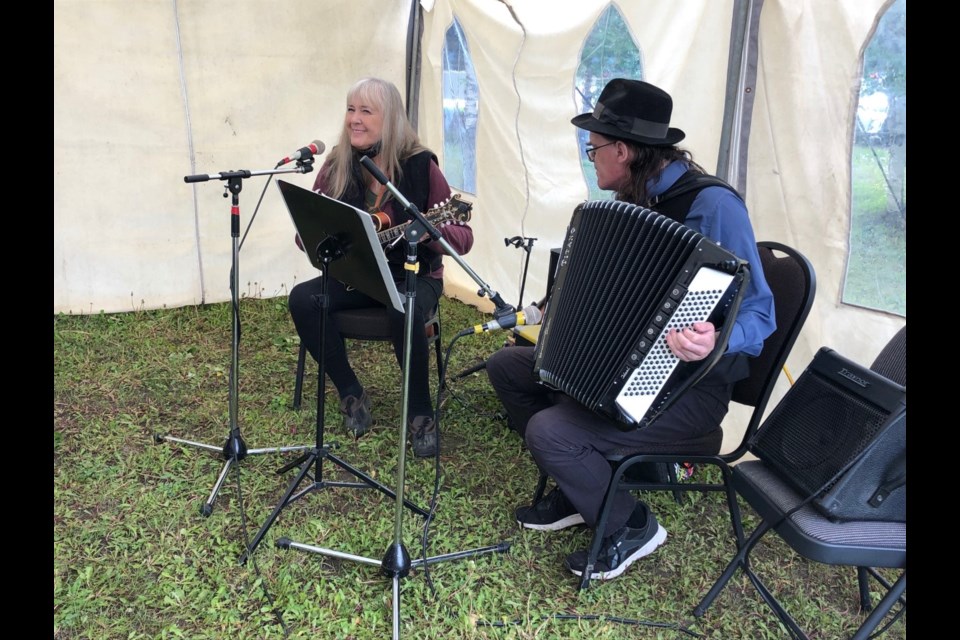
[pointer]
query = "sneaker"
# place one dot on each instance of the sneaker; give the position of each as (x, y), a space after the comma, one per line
(620, 550)
(552, 513)
(424, 436)
(356, 414)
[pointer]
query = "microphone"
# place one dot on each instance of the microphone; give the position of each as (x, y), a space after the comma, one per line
(374, 170)
(315, 148)
(529, 315)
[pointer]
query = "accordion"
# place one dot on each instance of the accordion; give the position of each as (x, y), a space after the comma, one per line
(625, 276)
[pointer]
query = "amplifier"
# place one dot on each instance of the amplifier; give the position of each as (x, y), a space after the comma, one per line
(840, 432)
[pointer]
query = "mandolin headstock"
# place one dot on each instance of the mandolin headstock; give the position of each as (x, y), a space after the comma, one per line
(454, 210)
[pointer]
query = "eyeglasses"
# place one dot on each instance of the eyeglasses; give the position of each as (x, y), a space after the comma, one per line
(592, 151)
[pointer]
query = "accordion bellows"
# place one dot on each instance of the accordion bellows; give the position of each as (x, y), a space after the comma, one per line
(624, 277)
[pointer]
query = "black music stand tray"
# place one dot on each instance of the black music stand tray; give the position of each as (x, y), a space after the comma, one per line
(347, 248)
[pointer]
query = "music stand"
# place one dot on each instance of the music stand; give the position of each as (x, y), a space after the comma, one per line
(347, 247)
(341, 242)
(234, 448)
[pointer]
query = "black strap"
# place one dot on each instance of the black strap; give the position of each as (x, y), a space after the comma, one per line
(676, 201)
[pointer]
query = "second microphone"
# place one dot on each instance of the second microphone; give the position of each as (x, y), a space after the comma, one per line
(529, 315)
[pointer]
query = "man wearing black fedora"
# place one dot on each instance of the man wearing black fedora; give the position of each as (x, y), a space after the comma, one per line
(633, 148)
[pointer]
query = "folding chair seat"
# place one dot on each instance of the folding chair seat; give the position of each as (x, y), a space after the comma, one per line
(872, 472)
(369, 324)
(793, 282)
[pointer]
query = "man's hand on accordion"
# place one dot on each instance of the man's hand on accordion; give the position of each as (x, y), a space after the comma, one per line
(692, 343)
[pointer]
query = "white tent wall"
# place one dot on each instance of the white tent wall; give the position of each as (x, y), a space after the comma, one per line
(799, 163)
(529, 177)
(148, 92)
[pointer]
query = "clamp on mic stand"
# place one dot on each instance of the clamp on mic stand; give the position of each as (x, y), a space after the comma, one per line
(520, 242)
(396, 562)
(234, 449)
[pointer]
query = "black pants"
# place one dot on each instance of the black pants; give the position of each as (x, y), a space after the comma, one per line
(305, 311)
(568, 441)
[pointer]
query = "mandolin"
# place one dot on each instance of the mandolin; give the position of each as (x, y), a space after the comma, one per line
(453, 211)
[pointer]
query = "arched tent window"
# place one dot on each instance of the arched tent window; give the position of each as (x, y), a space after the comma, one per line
(608, 52)
(459, 111)
(876, 274)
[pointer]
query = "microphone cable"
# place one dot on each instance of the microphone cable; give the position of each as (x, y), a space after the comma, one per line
(252, 557)
(424, 542)
(670, 626)
(431, 510)
(255, 210)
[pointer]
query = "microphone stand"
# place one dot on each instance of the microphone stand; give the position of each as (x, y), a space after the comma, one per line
(522, 242)
(396, 562)
(234, 449)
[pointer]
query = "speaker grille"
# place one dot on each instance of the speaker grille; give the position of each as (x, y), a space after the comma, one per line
(816, 431)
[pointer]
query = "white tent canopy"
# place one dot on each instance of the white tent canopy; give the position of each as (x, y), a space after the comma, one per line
(146, 93)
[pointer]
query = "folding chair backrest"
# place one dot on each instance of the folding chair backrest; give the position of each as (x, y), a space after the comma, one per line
(891, 362)
(793, 282)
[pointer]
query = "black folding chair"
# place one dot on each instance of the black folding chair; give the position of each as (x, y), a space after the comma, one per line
(792, 279)
(368, 324)
(843, 433)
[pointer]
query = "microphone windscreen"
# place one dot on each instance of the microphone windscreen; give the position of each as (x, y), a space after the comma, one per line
(532, 315)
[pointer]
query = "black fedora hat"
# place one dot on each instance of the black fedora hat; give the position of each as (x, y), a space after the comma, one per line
(632, 110)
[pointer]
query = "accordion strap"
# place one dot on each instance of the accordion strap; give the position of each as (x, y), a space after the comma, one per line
(675, 202)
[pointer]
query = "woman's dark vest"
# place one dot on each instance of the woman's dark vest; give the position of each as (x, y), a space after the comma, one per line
(415, 187)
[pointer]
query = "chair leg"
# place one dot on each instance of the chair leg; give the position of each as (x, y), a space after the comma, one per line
(863, 580)
(673, 479)
(739, 560)
(736, 521)
(298, 385)
(541, 487)
(601, 525)
(438, 348)
(882, 609)
(792, 627)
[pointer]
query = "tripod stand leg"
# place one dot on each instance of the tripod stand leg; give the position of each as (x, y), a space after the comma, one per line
(310, 459)
(207, 507)
(396, 607)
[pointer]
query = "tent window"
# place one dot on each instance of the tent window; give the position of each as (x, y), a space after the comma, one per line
(459, 112)
(877, 263)
(608, 52)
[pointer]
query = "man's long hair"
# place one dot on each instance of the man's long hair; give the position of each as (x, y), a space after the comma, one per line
(647, 167)
(398, 140)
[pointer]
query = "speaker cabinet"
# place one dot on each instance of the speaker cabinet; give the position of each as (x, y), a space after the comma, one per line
(840, 432)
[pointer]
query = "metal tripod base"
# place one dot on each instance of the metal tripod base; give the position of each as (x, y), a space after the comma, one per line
(306, 462)
(233, 451)
(396, 564)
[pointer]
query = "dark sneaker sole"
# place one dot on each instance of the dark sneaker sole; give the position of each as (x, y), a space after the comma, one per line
(658, 539)
(563, 523)
(421, 450)
(423, 453)
(357, 430)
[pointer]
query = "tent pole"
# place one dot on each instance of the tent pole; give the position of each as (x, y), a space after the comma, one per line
(414, 41)
(738, 103)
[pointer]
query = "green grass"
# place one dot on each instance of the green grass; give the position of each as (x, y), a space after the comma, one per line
(133, 558)
(877, 269)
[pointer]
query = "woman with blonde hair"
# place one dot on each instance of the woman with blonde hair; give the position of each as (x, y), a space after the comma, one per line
(376, 126)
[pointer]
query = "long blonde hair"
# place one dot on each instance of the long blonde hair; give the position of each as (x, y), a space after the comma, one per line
(398, 140)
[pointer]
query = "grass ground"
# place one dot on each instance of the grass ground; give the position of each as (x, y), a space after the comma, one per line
(133, 558)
